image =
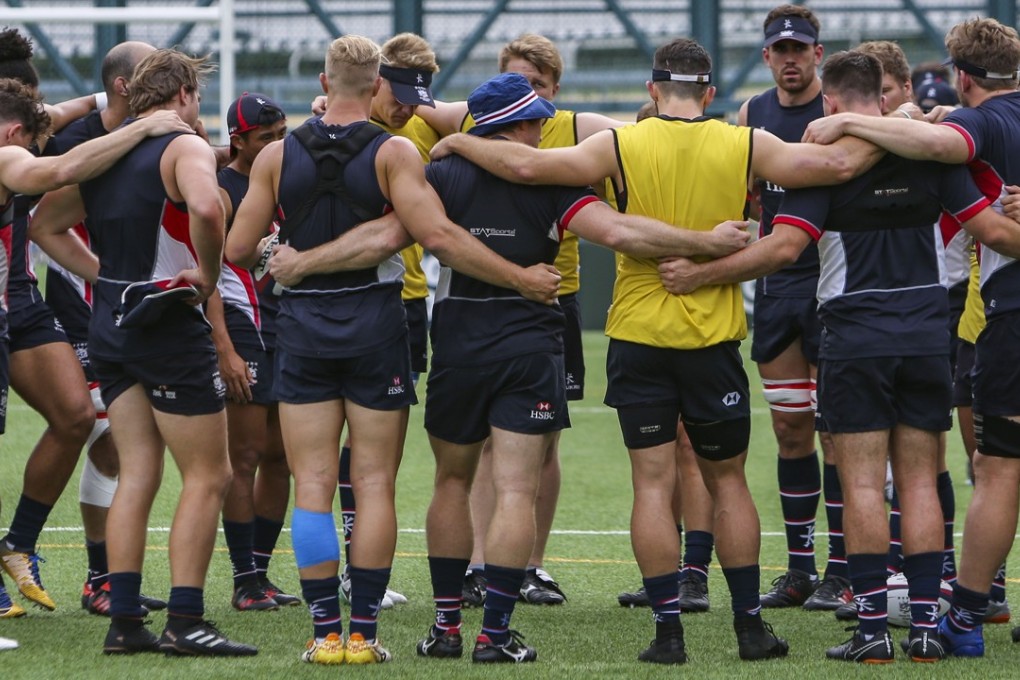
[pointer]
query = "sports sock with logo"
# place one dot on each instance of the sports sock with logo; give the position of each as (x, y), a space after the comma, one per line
(698, 554)
(744, 584)
(924, 579)
(240, 537)
(868, 578)
(347, 506)
(836, 566)
(323, 598)
(368, 586)
(503, 587)
(800, 486)
(266, 534)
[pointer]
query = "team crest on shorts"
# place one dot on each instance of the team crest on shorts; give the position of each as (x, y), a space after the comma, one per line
(543, 411)
(396, 388)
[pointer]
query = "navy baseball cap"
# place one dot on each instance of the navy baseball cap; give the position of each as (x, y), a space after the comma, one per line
(790, 28)
(250, 111)
(503, 100)
(410, 86)
(143, 303)
(932, 93)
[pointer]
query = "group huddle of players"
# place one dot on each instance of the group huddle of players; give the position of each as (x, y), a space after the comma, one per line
(282, 277)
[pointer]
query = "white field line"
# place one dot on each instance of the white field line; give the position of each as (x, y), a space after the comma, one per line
(557, 532)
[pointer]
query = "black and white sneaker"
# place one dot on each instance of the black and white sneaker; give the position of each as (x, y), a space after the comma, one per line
(539, 588)
(441, 644)
(638, 598)
(202, 639)
(473, 592)
(513, 651)
(129, 637)
(878, 649)
(926, 646)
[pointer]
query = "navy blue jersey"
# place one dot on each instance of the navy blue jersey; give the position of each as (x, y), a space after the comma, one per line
(346, 314)
(992, 132)
(476, 323)
(69, 295)
(249, 305)
(6, 218)
(788, 123)
(882, 287)
(139, 234)
(22, 286)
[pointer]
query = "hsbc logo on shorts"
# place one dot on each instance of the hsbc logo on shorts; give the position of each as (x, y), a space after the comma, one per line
(731, 399)
(543, 411)
(396, 388)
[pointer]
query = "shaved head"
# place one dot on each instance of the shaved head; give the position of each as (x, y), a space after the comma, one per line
(120, 62)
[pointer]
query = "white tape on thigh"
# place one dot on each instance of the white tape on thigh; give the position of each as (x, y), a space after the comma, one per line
(95, 488)
(789, 396)
(102, 425)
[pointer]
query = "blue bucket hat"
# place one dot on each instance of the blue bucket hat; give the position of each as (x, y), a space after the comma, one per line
(503, 100)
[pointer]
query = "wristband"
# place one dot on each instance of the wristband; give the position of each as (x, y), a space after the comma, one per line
(101, 101)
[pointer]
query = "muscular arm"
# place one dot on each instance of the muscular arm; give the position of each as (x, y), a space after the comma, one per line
(769, 254)
(233, 369)
(445, 118)
(50, 228)
(803, 165)
(589, 162)
(588, 124)
(23, 173)
(365, 246)
(257, 209)
(63, 113)
(194, 177)
(646, 237)
(995, 231)
(908, 138)
(421, 212)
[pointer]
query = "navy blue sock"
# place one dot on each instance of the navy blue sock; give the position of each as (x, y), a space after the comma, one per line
(894, 562)
(924, 579)
(240, 537)
(744, 584)
(698, 554)
(836, 566)
(368, 586)
(968, 609)
(124, 589)
(27, 523)
(447, 583)
(323, 598)
(998, 592)
(347, 506)
(947, 499)
(503, 587)
(185, 607)
(868, 578)
(266, 534)
(98, 567)
(664, 594)
(800, 486)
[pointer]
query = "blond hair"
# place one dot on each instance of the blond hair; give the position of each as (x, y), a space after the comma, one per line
(160, 76)
(352, 65)
(408, 50)
(890, 55)
(990, 45)
(535, 49)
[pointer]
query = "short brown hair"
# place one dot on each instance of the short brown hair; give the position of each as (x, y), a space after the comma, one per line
(536, 50)
(990, 45)
(20, 103)
(648, 110)
(853, 76)
(890, 55)
(793, 11)
(685, 56)
(160, 76)
(409, 50)
(352, 64)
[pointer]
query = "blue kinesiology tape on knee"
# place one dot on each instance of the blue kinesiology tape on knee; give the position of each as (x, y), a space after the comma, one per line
(314, 537)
